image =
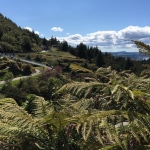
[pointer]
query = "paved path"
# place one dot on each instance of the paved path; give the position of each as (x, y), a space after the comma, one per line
(18, 78)
(32, 62)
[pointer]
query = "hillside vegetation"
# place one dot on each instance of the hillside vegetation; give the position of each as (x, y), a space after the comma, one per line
(82, 99)
(16, 39)
(110, 110)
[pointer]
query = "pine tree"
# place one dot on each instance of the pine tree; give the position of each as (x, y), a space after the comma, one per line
(82, 51)
(64, 46)
(99, 59)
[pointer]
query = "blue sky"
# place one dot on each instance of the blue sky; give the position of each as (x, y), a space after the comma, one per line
(108, 24)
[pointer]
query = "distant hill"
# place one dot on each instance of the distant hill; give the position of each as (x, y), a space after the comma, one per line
(132, 55)
(16, 39)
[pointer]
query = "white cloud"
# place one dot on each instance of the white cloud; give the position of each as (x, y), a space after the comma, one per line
(42, 35)
(29, 28)
(68, 33)
(37, 32)
(112, 39)
(57, 29)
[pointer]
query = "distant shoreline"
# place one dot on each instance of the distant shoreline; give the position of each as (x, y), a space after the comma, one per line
(132, 55)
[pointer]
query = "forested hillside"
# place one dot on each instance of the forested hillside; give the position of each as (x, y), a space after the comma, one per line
(16, 39)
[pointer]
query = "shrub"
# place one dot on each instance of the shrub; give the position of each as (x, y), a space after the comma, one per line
(3, 66)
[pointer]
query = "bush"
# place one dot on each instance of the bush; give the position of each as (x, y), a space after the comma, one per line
(8, 77)
(3, 66)
(28, 69)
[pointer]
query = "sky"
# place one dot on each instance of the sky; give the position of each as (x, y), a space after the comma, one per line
(108, 24)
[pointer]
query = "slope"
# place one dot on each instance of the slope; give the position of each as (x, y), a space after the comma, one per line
(16, 39)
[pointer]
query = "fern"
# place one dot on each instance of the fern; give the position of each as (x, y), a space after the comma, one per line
(41, 108)
(108, 112)
(81, 89)
(102, 124)
(57, 120)
(16, 123)
(82, 105)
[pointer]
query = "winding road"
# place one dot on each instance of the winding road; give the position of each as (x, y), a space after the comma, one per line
(34, 74)
(22, 77)
(32, 62)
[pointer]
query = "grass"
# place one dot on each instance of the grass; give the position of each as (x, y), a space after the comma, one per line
(53, 57)
(49, 54)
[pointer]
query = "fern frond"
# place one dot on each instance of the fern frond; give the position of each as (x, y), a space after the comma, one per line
(57, 120)
(80, 89)
(111, 147)
(41, 108)
(108, 125)
(18, 122)
(82, 105)
(121, 87)
(7, 101)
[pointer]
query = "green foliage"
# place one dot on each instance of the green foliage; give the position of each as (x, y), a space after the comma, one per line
(30, 86)
(6, 47)
(17, 122)
(114, 113)
(106, 110)
(99, 59)
(8, 77)
(27, 105)
(1, 33)
(8, 38)
(33, 131)
(110, 127)
(111, 147)
(37, 106)
(98, 114)
(19, 68)
(78, 69)
(15, 39)
(26, 44)
(145, 73)
(143, 48)
(28, 69)
(82, 51)
(3, 66)
(12, 91)
(64, 46)
(128, 64)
